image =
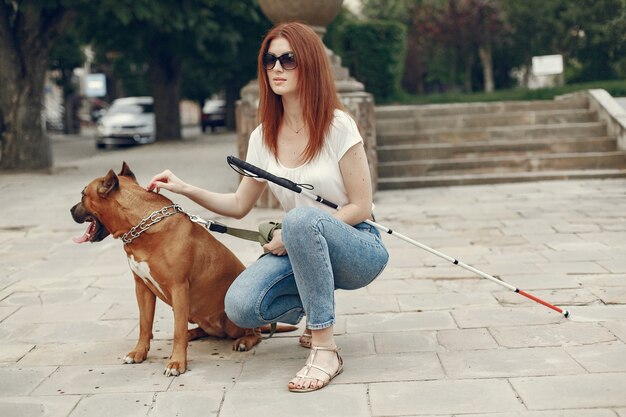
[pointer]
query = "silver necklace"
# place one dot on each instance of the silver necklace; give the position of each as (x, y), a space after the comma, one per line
(296, 131)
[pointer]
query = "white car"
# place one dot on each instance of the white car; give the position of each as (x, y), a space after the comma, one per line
(129, 121)
(213, 114)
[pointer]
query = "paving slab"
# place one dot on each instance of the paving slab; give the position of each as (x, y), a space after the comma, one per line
(600, 357)
(336, 400)
(187, 404)
(137, 404)
(443, 397)
(551, 413)
(573, 296)
(617, 328)
(32, 406)
(62, 332)
(406, 341)
(542, 281)
(491, 317)
(574, 391)
(445, 301)
(466, 339)
(506, 363)
(387, 322)
(563, 334)
(387, 285)
(613, 295)
(18, 381)
(107, 379)
(10, 353)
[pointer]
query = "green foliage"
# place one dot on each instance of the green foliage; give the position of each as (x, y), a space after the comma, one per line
(333, 38)
(375, 52)
(585, 32)
(227, 59)
(215, 41)
(65, 55)
(594, 46)
(391, 10)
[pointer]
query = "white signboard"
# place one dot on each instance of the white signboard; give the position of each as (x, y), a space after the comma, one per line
(95, 85)
(548, 65)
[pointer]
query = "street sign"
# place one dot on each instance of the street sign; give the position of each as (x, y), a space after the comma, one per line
(95, 85)
(548, 65)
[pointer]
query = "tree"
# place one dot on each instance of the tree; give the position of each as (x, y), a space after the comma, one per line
(27, 31)
(536, 29)
(393, 10)
(584, 32)
(470, 28)
(154, 35)
(207, 38)
(226, 61)
(489, 30)
(66, 55)
(590, 41)
(420, 45)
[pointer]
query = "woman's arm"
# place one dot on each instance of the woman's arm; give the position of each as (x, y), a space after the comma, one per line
(356, 178)
(235, 205)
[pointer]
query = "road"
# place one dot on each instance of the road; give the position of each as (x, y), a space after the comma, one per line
(68, 148)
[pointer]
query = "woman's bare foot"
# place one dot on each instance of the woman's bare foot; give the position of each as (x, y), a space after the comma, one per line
(305, 339)
(323, 364)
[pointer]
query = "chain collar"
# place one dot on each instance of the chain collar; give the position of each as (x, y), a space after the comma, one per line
(168, 211)
(151, 220)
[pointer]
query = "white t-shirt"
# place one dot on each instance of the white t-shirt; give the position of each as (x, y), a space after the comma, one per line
(322, 172)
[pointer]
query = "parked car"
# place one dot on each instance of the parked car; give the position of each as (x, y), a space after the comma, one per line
(129, 121)
(213, 114)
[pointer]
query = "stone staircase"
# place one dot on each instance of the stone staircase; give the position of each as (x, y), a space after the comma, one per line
(481, 143)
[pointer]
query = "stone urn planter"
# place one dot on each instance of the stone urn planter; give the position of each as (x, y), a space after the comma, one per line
(317, 13)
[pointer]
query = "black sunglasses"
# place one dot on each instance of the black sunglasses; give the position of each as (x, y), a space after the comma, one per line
(287, 61)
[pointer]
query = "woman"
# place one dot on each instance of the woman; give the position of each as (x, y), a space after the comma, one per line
(304, 136)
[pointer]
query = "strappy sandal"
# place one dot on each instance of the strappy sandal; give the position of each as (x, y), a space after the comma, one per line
(309, 365)
(305, 339)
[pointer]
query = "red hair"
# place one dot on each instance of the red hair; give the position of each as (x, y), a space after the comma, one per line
(316, 88)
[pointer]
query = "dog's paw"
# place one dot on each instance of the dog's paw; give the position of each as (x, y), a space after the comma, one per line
(135, 357)
(174, 369)
(246, 343)
(240, 347)
(171, 372)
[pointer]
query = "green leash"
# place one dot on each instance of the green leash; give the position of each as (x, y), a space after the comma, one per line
(263, 236)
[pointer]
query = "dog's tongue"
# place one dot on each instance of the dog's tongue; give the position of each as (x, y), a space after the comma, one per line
(81, 239)
(85, 237)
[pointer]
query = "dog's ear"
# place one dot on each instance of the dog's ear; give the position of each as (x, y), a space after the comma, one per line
(108, 184)
(126, 172)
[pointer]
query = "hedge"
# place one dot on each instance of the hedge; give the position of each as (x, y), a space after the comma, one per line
(374, 51)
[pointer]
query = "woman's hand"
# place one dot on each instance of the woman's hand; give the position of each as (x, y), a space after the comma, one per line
(168, 181)
(276, 245)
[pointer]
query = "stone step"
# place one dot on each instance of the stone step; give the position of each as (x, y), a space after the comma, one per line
(398, 124)
(476, 143)
(501, 164)
(391, 153)
(398, 183)
(437, 110)
(586, 129)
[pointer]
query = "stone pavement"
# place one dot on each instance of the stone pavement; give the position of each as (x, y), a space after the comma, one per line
(427, 338)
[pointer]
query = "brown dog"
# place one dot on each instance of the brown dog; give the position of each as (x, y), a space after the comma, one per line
(172, 258)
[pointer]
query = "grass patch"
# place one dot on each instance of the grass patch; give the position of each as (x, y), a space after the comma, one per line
(617, 88)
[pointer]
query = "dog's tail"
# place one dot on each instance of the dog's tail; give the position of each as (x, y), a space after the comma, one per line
(280, 328)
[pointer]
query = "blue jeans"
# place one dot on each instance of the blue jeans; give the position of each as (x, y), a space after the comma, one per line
(323, 254)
